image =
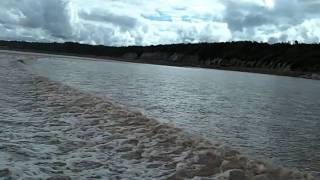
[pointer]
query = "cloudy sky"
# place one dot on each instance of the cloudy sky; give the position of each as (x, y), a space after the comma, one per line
(145, 22)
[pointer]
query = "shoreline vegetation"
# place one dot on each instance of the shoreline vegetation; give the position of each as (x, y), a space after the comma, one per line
(285, 59)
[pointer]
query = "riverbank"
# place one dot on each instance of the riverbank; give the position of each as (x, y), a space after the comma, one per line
(296, 74)
(66, 133)
(304, 75)
(295, 60)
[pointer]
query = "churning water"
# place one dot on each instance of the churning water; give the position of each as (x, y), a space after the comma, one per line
(262, 115)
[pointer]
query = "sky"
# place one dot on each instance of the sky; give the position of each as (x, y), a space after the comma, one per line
(148, 22)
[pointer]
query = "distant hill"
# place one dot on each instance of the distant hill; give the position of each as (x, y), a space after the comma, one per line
(282, 58)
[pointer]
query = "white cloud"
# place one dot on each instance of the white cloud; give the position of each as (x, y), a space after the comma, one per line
(145, 22)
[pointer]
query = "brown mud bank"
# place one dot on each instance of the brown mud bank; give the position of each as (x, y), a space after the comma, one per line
(232, 64)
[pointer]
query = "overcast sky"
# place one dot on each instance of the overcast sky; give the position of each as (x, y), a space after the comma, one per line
(145, 22)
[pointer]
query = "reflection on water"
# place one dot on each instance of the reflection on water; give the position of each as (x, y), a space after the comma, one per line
(263, 115)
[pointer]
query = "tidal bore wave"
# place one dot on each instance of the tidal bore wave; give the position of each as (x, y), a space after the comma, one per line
(49, 130)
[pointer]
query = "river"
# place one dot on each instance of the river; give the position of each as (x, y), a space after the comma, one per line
(264, 116)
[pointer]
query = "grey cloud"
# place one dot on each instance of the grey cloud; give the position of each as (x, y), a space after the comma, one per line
(245, 16)
(310, 6)
(237, 21)
(160, 16)
(202, 17)
(286, 38)
(187, 36)
(98, 34)
(10, 14)
(207, 33)
(282, 38)
(272, 40)
(285, 12)
(51, 20)
(240, 15)
(124, 22)
(51, 16)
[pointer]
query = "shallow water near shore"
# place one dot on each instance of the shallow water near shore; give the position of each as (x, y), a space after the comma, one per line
(264, 116)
